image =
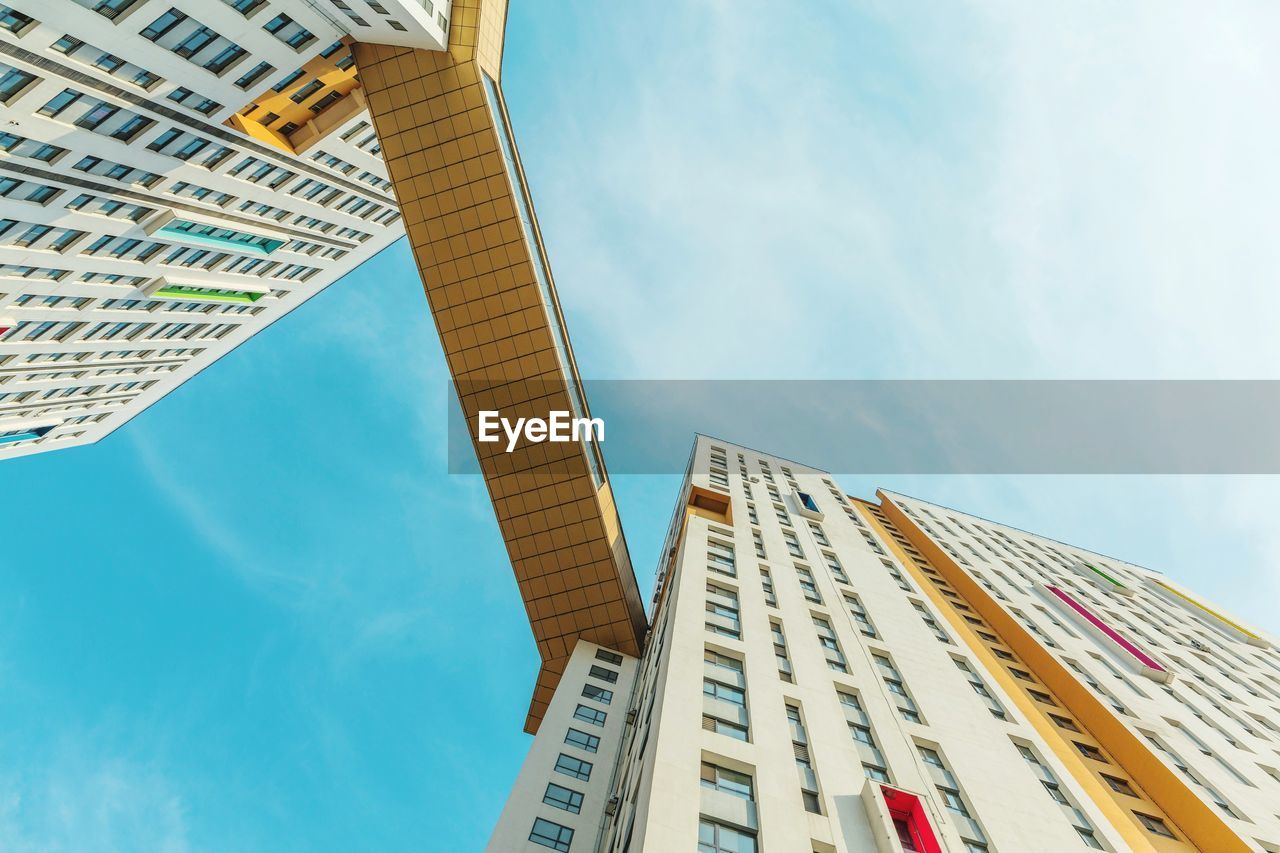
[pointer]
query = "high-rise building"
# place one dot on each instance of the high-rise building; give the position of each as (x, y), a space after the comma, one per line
(826, 674)
(175, 175)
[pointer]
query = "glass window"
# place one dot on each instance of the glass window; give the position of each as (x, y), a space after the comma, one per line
(729, 781)
(551, 835)
(582, 740)
(717, 838)
(606, 675)
(254, 74)
(597, 694)
(13, 82)
(1120, 786)
(562, 798)
(608, 657)
(575, 767)
(590, 715)
(1154, 825)
(13, 20)
(723, 692)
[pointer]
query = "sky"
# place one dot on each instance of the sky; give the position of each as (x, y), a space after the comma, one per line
(262, 616)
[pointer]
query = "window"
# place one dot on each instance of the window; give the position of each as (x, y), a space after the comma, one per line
(724, 727)
(289, 79)
(893, 681)
(590, 715)
(12, 82)
(833, 564)
(288, 31)
(724, 692)
(597, 694)
(306, 91)
(609, 657)
(244, 7)
(254, 74)
(780, 651)
(1154, 825)
(859, 614)
(793, 544)
(766, 583)
(808, 584)
(575, 767)
(952, 800)
(606, 675)
(57, 103)
(1064, 723)
(1120, 786)
(225, 58)
(717, 838)
(12, 20)
(96, 115)
(582, 740)
(198, 40)
(722, 611)
(1090, 751)
(1089, 838)
(831, 646)
(551, 835)
(163, 24)
(1043, 698)
(729, 781)
(131, 128)
(800, 746)
(563, 798)
(980, 687)
(930, 622)
(720, 557)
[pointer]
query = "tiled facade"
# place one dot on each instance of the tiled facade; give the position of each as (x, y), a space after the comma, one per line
(469, 218)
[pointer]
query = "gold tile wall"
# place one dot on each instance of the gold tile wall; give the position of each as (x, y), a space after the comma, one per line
(460, 211)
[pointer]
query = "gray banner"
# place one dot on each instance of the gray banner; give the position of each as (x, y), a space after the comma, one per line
(934, 427)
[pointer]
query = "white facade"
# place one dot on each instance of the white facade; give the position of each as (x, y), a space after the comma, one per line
(119, 156)
(1213, 715)
(562, 792)
(797, 673)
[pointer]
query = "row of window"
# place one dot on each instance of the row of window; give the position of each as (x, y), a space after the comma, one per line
(1036, 691)
(559, 795)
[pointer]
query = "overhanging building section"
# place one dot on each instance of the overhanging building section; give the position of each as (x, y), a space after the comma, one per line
(175, 175)
(449, 150)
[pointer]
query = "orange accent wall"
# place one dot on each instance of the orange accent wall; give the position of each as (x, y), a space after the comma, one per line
(1202, 826)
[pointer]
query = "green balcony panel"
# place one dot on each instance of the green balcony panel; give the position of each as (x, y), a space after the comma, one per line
(206, 294)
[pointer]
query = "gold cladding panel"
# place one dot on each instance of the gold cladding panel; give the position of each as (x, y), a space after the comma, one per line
(442, 152)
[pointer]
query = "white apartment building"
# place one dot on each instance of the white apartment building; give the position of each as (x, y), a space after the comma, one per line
(175, 175)
(826, 674)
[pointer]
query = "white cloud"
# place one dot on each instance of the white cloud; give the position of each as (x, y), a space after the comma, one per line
(995, 190)
(82, 801)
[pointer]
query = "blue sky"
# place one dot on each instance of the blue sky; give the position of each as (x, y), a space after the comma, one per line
(262, 617)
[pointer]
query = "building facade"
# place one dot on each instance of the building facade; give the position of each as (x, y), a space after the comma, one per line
(826, 674)
(175, 175)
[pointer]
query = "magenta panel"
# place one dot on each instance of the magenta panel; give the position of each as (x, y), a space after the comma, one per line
(1112, 634)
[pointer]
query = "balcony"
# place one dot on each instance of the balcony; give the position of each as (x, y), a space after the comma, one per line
(167, 224)
(162, 288)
